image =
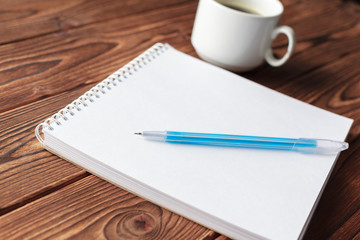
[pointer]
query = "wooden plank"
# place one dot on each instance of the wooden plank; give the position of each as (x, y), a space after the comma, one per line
(27, 171)
(334, 86)
(24, 19)
(338, 213)
(325, 31)
(36, 171)
(37, 68)
(92, 52)
(93, 208)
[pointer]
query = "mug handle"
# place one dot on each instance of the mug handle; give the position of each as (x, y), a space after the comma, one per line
(289, 32)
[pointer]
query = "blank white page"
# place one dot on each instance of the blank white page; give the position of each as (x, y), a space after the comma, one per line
(269, 193)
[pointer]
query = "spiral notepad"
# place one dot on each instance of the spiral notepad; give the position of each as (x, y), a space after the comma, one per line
(242, 193)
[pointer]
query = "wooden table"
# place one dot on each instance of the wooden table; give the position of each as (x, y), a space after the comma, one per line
(53, 51)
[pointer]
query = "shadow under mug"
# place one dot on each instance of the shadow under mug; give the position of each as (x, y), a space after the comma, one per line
(236, 39)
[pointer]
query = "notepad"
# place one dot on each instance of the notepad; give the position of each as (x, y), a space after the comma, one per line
(241, 193)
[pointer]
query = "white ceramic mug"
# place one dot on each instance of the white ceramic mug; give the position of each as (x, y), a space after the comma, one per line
(237, 40)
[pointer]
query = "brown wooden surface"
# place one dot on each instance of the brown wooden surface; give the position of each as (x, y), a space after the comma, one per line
(53, 51)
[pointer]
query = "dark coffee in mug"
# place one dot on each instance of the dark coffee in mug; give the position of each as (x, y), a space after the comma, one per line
(240, 6)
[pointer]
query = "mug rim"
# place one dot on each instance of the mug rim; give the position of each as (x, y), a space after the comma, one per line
(279, 4)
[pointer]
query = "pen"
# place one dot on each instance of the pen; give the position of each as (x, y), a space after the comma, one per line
(304, 145)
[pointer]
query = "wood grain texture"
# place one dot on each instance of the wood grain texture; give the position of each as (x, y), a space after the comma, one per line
(25, 19)
(56, 63)
(92, 208)
(26, 170)
(53, 51)
(337, 216)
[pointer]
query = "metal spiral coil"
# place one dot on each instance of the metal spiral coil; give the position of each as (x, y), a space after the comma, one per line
(101, 88)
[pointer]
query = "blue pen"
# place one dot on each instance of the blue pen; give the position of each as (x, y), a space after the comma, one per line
(304, 145)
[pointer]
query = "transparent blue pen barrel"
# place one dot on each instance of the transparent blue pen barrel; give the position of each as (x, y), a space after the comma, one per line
(225, 140)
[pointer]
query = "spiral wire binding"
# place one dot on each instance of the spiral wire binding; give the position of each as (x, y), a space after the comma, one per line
(101, 88)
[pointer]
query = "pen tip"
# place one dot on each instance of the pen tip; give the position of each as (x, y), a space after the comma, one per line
(138, 133)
